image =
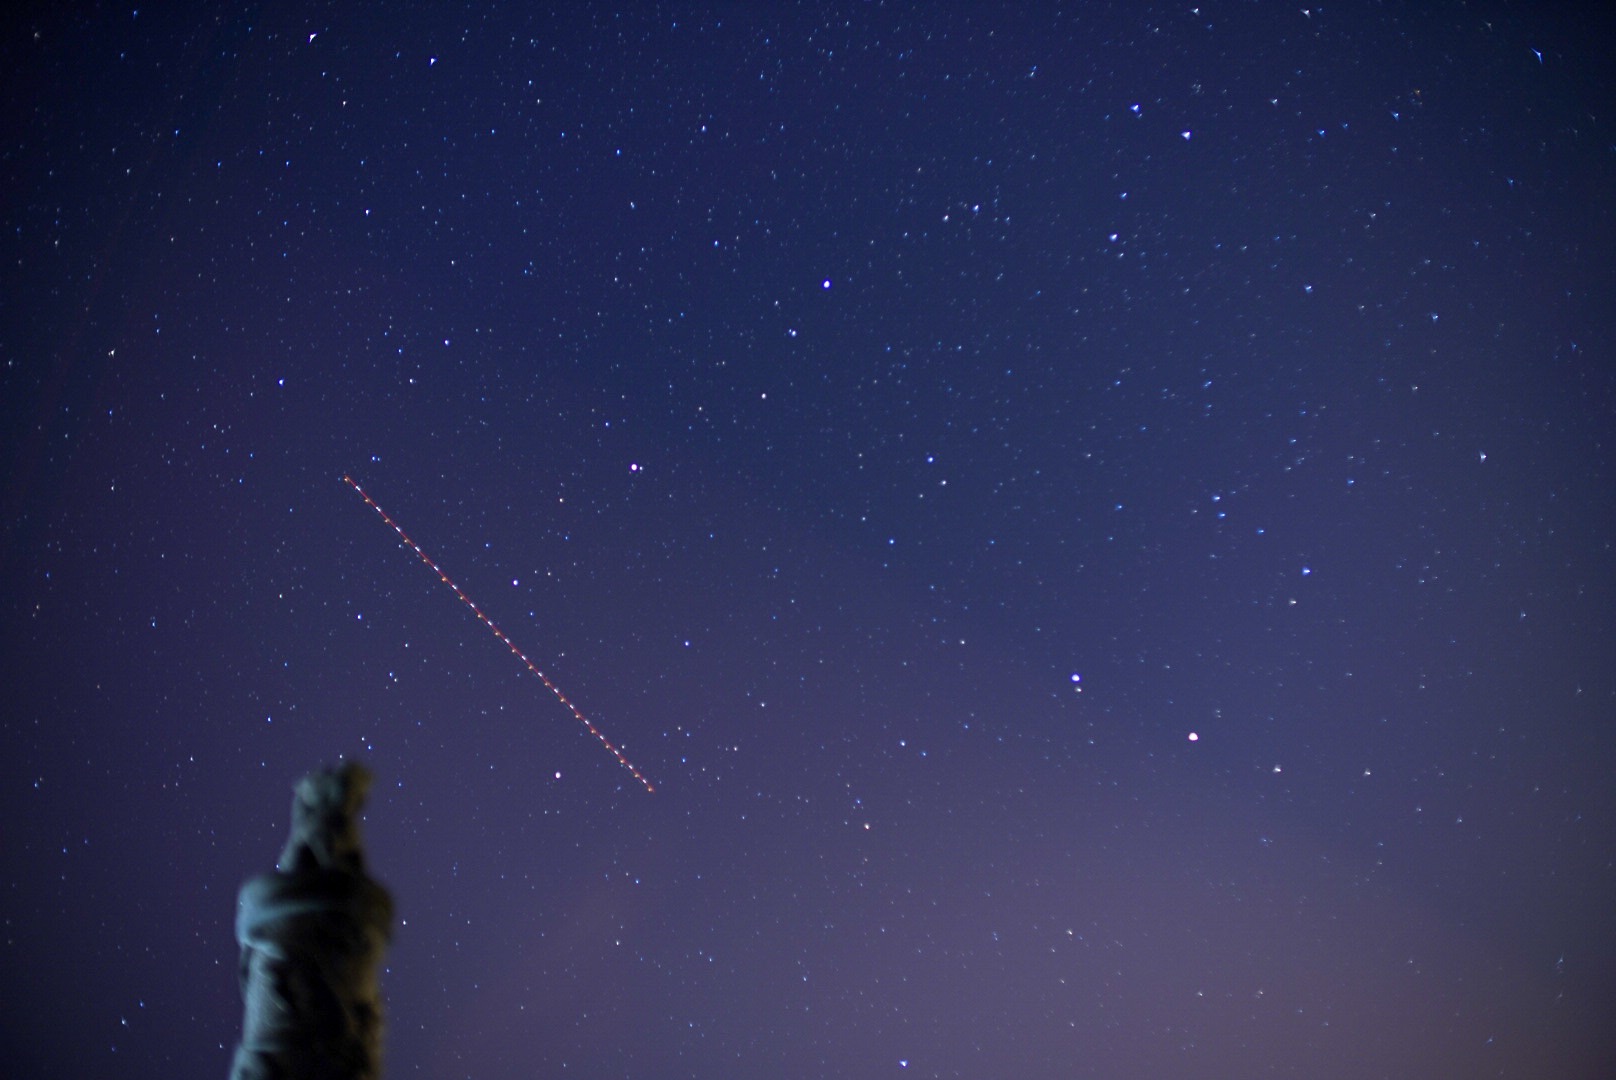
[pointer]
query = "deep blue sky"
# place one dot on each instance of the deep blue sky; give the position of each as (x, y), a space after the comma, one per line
(900, 428)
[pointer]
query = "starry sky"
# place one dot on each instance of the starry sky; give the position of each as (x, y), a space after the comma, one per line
(1096, 519)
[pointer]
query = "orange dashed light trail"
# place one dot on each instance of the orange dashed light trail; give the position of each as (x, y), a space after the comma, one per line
(494, 629)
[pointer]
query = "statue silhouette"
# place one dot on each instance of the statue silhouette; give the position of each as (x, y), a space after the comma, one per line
(312, 935)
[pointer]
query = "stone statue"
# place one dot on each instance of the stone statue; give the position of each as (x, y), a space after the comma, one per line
(312, 936)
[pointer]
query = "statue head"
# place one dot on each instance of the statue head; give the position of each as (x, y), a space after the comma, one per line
(325, 820)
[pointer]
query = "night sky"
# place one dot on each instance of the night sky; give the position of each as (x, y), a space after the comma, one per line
(1097, 520)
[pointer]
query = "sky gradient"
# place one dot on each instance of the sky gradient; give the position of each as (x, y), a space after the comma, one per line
(1096, 520)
